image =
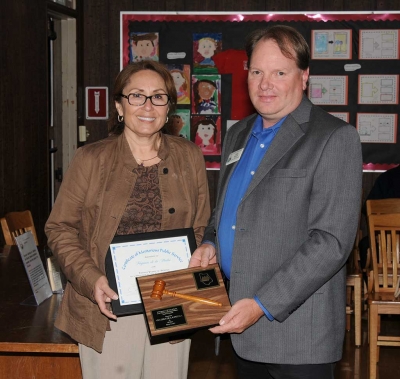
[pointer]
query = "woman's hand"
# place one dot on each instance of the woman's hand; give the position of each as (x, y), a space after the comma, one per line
(103, 294)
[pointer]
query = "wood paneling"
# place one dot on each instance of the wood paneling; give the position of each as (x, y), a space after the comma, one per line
(278, 5)
(334, 5)
(310, 5)
(240, 5)
(96, 50)
(383, 5)
(23, 109)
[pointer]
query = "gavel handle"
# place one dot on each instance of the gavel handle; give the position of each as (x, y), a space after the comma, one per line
(193, 298)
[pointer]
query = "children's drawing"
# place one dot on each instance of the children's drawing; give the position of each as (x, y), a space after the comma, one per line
(206, 133)
(205, 46)
(179, 123)
(143, 46)
(206, 94)
(181, 75)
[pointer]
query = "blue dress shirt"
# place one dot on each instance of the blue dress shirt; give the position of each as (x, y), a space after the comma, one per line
(259, 141)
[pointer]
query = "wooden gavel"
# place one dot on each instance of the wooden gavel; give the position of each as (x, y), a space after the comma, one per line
(159, 290)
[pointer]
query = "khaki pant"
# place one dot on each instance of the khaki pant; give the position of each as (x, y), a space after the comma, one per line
(127, 354)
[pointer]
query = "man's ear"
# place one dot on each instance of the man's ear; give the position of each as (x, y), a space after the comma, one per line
(305, 76)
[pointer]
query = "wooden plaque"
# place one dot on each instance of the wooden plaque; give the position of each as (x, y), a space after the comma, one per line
(172, 316)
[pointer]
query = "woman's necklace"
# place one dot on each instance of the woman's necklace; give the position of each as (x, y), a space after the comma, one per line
(140, 161)
(144, 160)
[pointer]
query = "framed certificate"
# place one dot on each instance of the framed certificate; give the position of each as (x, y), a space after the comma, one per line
(135, 255)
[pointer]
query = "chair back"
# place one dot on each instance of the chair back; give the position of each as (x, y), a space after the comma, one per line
(383, 206)
(14, 224)
(384, 234)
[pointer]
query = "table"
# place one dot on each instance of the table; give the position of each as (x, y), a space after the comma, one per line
(30, 345)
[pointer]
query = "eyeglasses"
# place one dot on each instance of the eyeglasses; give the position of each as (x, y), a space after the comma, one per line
(159, 99)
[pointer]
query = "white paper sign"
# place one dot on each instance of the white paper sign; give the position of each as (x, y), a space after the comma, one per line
(34, 267)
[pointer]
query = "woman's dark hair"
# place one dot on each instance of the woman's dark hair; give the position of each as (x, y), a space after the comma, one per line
(291, 43)
(122, 80)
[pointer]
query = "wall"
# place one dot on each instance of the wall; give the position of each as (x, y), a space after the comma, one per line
(23, 86)
(23, 109)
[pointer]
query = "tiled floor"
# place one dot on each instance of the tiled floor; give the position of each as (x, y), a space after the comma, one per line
(354, 364)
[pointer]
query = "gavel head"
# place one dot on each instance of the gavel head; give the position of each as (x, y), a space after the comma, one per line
(158, 289)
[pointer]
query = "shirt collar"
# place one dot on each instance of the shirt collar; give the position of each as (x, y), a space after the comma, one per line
(258, 130)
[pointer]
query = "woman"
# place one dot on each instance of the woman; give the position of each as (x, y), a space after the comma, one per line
(136, 180)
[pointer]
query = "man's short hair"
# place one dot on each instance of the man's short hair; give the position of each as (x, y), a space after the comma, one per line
(291, 43)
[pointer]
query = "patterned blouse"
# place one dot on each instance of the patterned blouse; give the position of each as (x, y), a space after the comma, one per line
(143, 213)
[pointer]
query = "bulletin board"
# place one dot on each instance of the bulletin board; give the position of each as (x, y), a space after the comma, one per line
(354, 71)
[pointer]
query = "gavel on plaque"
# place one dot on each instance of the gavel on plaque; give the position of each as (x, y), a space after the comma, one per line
(159, 290)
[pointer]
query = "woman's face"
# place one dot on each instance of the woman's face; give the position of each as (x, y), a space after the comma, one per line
(179, 80)
(147, 119)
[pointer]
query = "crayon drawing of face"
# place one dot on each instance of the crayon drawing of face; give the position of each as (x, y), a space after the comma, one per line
(179, 80)
(176, 124)
(144, 48)
(205, 131)
(206, 89)
(207, 47)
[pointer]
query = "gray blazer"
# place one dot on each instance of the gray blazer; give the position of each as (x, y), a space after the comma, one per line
(295, 228)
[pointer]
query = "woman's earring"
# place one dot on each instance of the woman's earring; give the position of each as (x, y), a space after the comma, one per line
(166, 120)
(120, 118)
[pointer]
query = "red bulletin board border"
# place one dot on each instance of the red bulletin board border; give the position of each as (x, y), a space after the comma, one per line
(242, 17)
(262, 16)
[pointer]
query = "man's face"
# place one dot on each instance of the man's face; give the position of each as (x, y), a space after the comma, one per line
(144, 48)
(275, 82)
(206, 48)
(206, 90)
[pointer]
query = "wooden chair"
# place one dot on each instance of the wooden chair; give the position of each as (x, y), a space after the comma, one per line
(382, 206)
(14, 224)
(385, 257)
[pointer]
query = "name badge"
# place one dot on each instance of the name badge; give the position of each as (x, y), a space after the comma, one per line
(235, 156)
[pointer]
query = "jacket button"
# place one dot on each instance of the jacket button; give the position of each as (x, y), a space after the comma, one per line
(171, 210)
(165, 170)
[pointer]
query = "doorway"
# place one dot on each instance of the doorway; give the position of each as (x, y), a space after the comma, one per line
(62, 73)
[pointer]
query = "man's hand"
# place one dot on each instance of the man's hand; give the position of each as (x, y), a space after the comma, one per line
(103, 294)
(203, 256)
(243, 314)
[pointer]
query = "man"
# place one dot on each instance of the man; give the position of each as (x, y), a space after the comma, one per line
(285, 219)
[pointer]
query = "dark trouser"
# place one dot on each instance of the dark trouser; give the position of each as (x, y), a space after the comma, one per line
(255, 370)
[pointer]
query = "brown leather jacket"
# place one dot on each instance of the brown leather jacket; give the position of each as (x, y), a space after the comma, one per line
(88, 209)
